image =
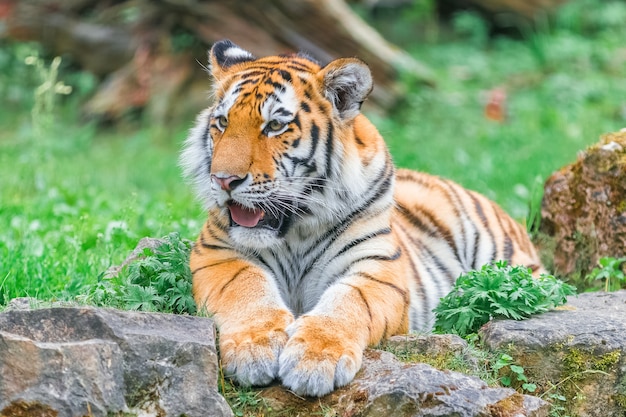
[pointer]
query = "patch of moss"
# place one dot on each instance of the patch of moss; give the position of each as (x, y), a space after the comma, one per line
(448, 360)
(508, 407)
(577, 362)
(579, 365)
(23, 408)
(445, 360)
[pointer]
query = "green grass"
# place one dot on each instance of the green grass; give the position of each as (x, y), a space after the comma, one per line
(565, 87)
(75, 200)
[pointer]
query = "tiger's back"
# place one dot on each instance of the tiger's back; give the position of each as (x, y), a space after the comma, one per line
(446, 230)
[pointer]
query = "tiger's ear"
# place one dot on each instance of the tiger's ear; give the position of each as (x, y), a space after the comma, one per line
(224, 54)
(346, 82)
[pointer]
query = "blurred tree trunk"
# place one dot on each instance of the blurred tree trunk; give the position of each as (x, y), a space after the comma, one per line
(146, 50)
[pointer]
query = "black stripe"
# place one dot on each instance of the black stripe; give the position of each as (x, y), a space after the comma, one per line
(329, 149)
(315, 136)
(214, 247)
(365, 238)
(246, 81)
(384, 258)
(220, 224)
(283, 112)
(381, 258)
(367, 307)
(386, 330)
(423, 249)
(483, 218)
(208, 157)
(234, 277)
(265, 264)
(285, 75)
(196, 249)
(214, 237)
(456, 202)
(223, 261)
(507, 250)
(275, 84)
(404, 294)
(435, 228)
(418, 280)
(251, 73)
(315, 133)
(427, 256)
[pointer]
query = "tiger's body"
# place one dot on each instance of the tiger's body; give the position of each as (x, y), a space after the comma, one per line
(315, 247)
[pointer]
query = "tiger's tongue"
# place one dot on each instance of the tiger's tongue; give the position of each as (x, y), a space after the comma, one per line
(244, 216)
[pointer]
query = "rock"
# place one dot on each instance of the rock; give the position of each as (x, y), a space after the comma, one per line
(58, 362)
(427, 344)
(138, 253)
(92, 362)
(29, 303)
(387, 387)
(439, 350)
(583, 212)
(577, 351)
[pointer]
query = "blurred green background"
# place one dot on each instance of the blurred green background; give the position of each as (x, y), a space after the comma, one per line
(510, 104)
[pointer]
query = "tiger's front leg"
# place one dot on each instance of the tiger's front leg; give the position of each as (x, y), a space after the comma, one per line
(249, 312)
(325, 347)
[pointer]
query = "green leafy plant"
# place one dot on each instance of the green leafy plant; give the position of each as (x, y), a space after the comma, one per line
(514, 375)
(159, 281)
(557, 401)
(498, 290)
(610, 270)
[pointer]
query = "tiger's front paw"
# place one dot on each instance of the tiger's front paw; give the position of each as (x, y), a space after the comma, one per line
(318, 358)
(251, 355)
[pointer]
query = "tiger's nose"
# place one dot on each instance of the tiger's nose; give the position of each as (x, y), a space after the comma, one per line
(228, 183)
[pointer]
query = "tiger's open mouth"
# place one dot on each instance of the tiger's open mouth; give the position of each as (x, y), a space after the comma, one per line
(251, 218)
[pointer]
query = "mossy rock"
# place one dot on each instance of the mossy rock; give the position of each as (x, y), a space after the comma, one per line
(583, 211)
(576, 355)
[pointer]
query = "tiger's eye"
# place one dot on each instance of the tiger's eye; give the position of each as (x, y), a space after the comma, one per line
(275, 125)
(222, 121)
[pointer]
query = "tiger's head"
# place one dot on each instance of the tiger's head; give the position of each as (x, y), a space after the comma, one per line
(280, 146)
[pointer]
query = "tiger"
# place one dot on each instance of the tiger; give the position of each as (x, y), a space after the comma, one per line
(316, 246)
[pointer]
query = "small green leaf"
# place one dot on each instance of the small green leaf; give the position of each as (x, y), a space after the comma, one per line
(517, 369)
(530, 387)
